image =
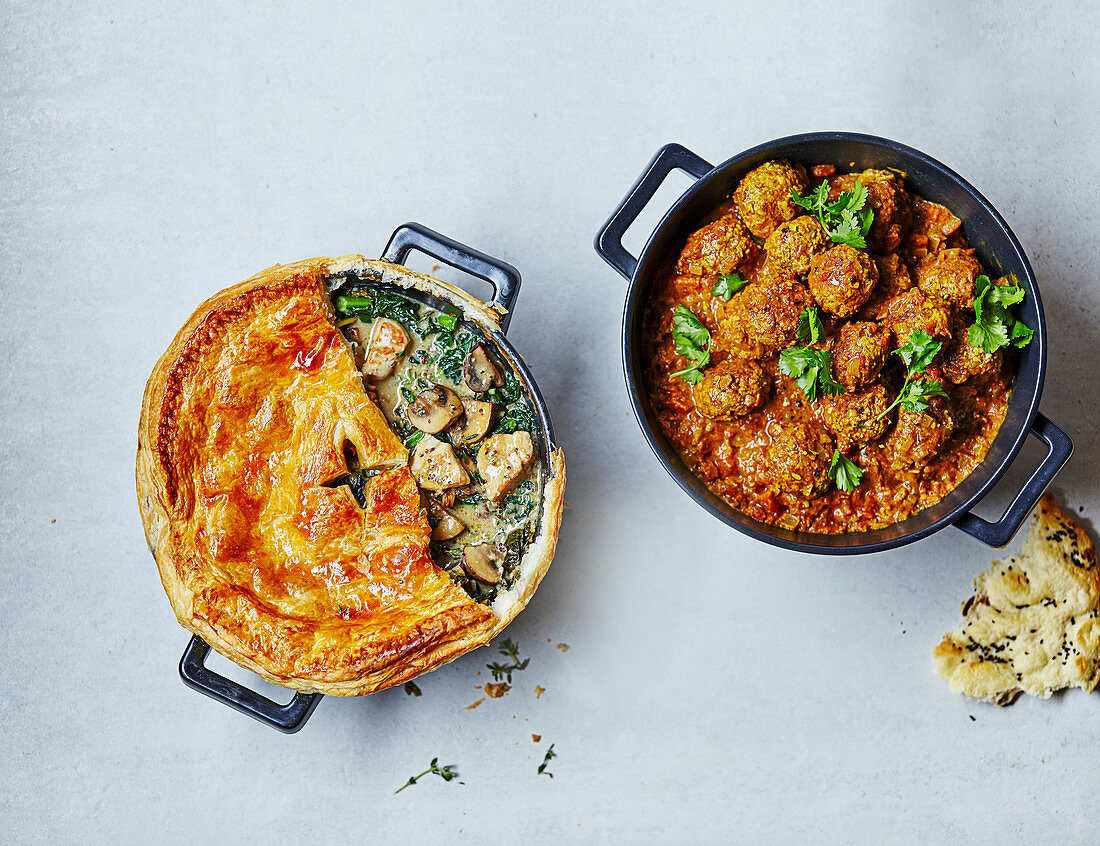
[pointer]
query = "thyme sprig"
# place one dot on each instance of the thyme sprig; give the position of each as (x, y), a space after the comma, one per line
(508, 649)
(550, 753)
(447, 773)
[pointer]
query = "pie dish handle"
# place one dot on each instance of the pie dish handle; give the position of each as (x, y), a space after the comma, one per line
(504, 278)
(1000, 532)
(286, 718)
(609, 240)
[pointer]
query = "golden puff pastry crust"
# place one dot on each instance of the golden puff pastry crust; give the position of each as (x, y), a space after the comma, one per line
(246, 422)
(1032, 625)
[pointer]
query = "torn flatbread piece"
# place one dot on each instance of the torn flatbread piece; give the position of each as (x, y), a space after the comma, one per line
(1031, 625)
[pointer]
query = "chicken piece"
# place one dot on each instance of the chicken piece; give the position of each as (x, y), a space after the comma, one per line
(436, 467)
(502, 460)
(388, 342)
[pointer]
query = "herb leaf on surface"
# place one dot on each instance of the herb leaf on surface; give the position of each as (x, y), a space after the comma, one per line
(845, 473)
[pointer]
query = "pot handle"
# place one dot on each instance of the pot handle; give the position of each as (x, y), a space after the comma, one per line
(999, 533)
(504, 278)
(609, 239)
(286, 718)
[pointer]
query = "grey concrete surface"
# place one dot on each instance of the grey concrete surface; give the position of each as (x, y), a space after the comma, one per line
(715, 689)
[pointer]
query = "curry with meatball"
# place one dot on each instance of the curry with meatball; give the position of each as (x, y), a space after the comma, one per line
(827, 352)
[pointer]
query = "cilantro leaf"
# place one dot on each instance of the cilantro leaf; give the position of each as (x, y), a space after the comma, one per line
(989, 336)
(810, 328)
(849, 231)
(811, 369)
(918, 351)
(692, 339)
(688, 326)
(1021, 334)
(847, 474)
(915, 395)
(917, 354)
(994, 326)
(847, 219)
(814, 202)
(728, 284)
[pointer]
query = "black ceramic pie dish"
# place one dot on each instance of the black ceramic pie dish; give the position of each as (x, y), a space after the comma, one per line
(986, 231)
(505, 281)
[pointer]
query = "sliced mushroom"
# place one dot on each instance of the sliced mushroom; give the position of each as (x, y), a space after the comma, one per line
(483, 562)
(447, 526)
(479, 372)
(435, 466)
(502, 460)
(388, 342)
(474, 425)
(434, 409)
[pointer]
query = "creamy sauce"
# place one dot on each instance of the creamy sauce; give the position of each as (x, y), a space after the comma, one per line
(435, 358)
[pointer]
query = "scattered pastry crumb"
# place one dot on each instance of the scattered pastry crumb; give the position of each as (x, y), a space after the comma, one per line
(563, 647)
(54, 520)
(497, 690)
(1033, 623)
(536, 737)
(539, 691)
(471, 707)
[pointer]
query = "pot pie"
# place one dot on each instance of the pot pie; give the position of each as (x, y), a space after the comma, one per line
(343, 500)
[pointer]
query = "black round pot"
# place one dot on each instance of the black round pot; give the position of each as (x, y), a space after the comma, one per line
(986, 231)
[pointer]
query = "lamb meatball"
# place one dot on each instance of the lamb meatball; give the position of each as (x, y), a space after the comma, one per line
(961, 361)
(764, 196)
(768, 310)
(719, 247)
(907, 312)
(855, 417)
(731, 388)
(889, 200)
(860, 353)
(841, 279)
(893, 279)
(917, 436)
(794, 243)
(798, 460)
(949, 275)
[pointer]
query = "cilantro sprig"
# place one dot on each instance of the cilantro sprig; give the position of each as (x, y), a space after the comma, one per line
(847, 219)
(692, 341)
(727, 285)
(811, 369)
(994, 326)
(915, 393)
(845, 473)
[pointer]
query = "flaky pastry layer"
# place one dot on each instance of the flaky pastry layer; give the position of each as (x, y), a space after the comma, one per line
(245, 425)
